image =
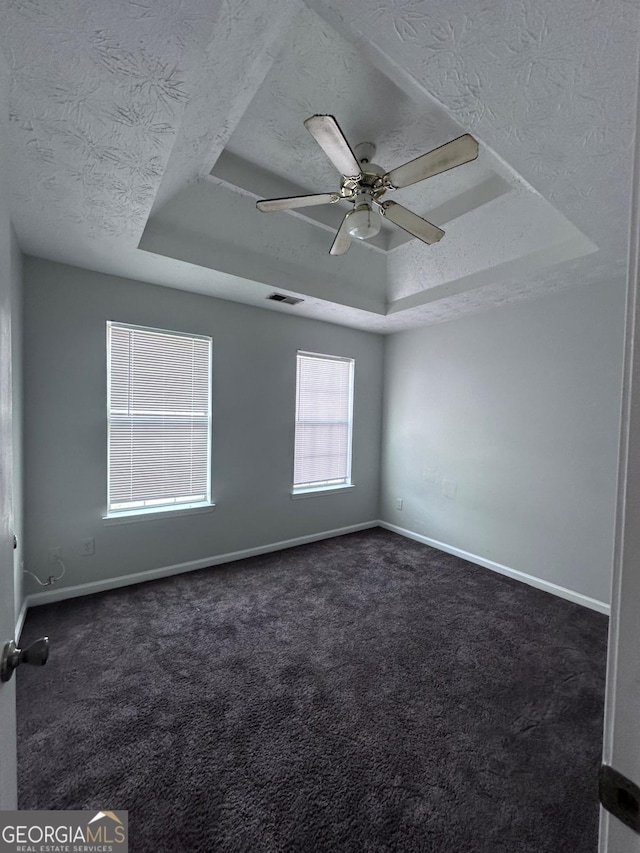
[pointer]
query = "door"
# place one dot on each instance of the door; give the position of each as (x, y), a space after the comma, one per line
(621, 748)
(7, 615)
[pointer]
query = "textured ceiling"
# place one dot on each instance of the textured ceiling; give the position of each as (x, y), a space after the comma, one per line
(158, 125)
(317, 71)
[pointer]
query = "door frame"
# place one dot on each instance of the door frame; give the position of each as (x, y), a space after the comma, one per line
(621, 745)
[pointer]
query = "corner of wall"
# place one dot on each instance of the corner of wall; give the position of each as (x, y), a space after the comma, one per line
(383, 427)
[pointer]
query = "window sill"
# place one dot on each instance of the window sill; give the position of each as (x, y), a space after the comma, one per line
(155, 514)
(323, 490)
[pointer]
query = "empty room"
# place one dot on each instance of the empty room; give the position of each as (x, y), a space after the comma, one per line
(319, 483)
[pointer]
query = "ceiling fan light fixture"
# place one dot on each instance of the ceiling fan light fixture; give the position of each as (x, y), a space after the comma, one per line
(364, 222)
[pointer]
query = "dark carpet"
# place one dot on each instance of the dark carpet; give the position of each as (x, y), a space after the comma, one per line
(363, 694)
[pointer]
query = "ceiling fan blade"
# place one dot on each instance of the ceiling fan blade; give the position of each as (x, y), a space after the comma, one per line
(295, 201)
(448, 156)
(411, 222)
(343, 238)
(326, 132)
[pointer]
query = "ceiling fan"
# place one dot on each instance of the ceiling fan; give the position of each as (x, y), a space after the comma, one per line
(364, 183)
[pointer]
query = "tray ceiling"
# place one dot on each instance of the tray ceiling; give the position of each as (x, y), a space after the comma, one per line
(142, 137)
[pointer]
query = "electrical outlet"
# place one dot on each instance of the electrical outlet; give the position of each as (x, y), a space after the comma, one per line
(88, 547)
(399, 503)
(55, 554)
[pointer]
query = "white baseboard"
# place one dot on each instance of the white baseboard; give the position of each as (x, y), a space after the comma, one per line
(20, 620)
(65, 592)
(531, 580)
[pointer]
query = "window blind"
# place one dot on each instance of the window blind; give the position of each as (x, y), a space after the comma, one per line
(324, 405)
(159, 415)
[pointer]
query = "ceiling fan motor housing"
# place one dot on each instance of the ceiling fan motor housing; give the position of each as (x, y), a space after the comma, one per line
(370, 180)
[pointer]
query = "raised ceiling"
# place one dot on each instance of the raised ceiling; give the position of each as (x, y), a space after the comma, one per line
(143, 134)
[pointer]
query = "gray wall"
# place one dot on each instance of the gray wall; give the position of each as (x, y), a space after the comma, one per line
(253, 403)
(514, 414)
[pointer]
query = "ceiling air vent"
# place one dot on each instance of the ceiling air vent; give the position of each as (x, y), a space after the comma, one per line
(281, 297)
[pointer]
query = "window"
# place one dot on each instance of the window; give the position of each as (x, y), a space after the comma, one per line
(324, 415)
(159, 417)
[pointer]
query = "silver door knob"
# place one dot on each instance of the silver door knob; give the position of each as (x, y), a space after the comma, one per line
(35, 655)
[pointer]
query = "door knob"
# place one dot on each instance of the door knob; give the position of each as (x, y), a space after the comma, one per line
(35, 655)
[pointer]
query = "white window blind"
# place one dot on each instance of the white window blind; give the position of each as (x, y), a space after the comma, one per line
(324, 407)
(159, 414)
